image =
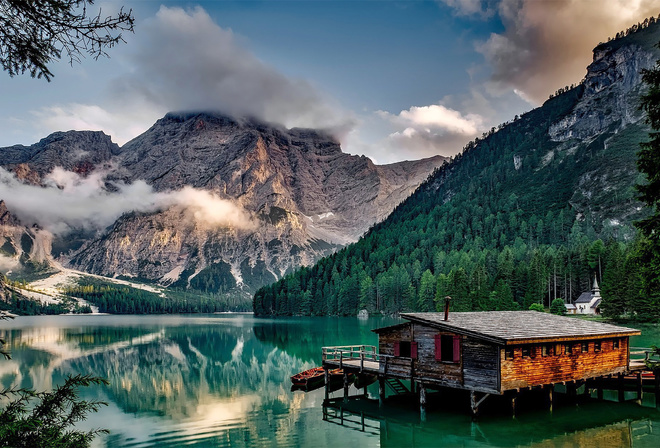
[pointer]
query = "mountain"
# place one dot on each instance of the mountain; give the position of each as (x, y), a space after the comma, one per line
(223, 204)
(531, 211)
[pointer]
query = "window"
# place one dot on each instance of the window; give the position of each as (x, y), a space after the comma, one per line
(568, 349)
(545, 350)
(585, 347)
(508, 353)
(526, 352)
(615, 344)
(405, 349)
(597, 346)
(447, 348)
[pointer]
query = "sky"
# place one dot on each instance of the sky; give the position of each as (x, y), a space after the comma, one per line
(393, 80)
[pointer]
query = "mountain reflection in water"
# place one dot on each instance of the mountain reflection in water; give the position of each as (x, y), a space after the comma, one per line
(223, 380)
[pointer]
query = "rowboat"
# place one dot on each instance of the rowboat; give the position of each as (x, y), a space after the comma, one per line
(314, 378)
(309, 378)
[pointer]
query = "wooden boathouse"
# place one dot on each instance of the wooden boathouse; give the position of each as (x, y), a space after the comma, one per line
(489, 353)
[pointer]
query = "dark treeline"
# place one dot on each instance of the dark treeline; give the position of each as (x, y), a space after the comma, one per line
(500, 227)
(116, 299)
(28, 307)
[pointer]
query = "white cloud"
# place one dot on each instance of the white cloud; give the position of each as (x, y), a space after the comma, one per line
(425, 131)
(182, 60)
(69, 201)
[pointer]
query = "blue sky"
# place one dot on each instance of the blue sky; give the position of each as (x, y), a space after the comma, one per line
(393, 80)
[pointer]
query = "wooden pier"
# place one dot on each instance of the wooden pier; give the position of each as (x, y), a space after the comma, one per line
(496, 353)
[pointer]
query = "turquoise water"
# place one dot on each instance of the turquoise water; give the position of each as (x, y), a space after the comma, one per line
(223, 380)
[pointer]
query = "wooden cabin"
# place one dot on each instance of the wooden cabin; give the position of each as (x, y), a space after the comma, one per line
(496, 351)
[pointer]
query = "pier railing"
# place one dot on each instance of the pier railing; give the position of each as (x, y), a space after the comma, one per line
(641, 355)
(361, 356)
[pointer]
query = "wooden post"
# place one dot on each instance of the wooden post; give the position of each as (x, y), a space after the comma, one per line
(656, 374)
(640, 391)
(622, 388)
(364, 390)
(473, 404)
(327, 383)
(346, 386)
(422, 400)
(514, 397)
(381, 390)
(600, 387)
(572, 390)
(551, 392)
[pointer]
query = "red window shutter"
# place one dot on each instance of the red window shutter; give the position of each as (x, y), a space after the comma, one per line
(457, 349)
(397, 348)
(438, 347)
(413, 350)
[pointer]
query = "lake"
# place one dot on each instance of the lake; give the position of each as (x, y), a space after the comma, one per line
(223, 380)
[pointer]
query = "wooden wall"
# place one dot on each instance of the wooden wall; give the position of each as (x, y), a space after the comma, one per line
(427, 367)
(480, 364)
(400, 367)
(536, 370)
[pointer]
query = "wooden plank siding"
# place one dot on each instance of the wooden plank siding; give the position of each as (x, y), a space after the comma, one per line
(397, 366)
(537, 370)
(480, 366)
(427, 367)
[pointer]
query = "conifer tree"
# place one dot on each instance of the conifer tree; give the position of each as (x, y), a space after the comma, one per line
(648, 163)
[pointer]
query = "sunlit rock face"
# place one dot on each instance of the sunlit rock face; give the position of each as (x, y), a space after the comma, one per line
(299, 196)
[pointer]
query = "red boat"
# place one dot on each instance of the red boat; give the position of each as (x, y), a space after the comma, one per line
(309, 378)
(314, 378)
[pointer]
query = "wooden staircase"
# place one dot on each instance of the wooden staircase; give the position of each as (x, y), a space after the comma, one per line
(397, 386)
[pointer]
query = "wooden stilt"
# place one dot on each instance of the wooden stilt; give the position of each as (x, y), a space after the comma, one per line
(640, 389)
(422, 400)
(622, 388)
(381, 390)
(347, 384)
(551, 392)
(473, 404)
(327, 384)
(600, 387)
(656, 388)
(514, 398)
(571, 389)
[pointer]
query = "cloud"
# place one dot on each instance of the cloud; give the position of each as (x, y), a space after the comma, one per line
(182, 60)
(546, 45)
(481, 8)
(424, 131)
(69, 201)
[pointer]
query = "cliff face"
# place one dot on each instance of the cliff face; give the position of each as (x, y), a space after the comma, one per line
(301, 195)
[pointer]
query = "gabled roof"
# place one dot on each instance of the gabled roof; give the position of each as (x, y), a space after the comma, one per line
(585, 297)
(570, 306)
(596, 304)
(391, 327)
(516, 327)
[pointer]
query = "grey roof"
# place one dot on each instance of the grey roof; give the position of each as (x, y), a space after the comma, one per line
(570, 306)
(596, 304)
(514, 327)
(585, 297)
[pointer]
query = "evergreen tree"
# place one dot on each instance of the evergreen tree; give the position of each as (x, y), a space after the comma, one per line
(648, 163)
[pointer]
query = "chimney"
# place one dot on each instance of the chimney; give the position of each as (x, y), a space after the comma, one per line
(447, 299)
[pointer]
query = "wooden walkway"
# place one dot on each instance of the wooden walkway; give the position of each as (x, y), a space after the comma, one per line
(353, 358)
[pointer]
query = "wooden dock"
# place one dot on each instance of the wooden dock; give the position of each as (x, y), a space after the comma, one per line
(365, 360)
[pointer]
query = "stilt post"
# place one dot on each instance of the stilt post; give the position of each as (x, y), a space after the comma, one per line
(327, 383)
(622, 388)
(422, 400)
(551, 393)
(640, 390)
(346, 386)
(381, 390)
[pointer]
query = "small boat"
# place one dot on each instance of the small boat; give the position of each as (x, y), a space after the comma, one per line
(314, 378)
(309, 378)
